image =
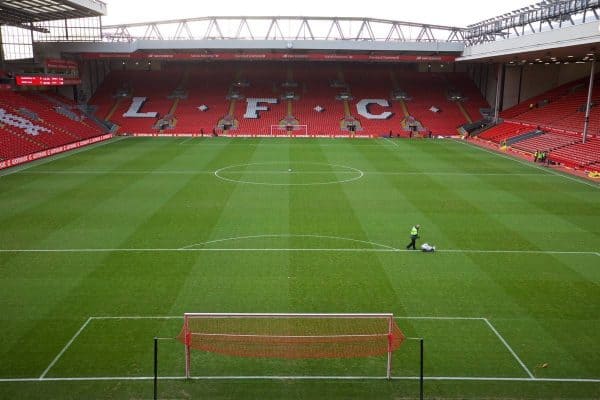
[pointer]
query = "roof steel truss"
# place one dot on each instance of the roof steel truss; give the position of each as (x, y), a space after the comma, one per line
(284, 28)
(546, 15)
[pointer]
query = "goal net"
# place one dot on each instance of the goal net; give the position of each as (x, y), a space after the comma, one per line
(291, 336)
(289, 130)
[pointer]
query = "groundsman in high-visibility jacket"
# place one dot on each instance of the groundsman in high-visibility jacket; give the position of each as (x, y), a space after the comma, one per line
(414, 235)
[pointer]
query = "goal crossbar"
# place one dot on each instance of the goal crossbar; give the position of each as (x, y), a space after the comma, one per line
(289, 130)
(291, 336)
(286, 336)
(290, 315)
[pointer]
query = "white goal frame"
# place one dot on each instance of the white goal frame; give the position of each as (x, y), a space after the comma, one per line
(387, 316)
(281, 130)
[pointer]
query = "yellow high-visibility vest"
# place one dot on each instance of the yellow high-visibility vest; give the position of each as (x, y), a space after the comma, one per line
(414, 231)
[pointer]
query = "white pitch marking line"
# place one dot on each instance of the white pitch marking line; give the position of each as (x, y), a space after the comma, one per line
(391, 141)
(445, 318)
(289, 235)
(357, 250)
(197, 172)
(451, 378)
(181, 317)
(64, 348)
(430, 378)
(509, 348)
(218, 173)
(548, 170)
(139, 317)
(513, 251)
(194, 249)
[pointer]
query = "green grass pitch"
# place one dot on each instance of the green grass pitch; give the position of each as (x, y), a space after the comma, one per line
(103, 249)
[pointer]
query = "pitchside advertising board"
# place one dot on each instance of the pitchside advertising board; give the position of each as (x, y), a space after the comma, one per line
(41, 154)
(264, 56)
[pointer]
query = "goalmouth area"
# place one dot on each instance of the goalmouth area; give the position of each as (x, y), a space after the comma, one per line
(106, 248)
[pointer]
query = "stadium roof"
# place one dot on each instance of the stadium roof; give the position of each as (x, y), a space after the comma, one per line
(19, 12)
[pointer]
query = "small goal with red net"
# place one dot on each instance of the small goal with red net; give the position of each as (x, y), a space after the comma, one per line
(291, 336)
(289, 130)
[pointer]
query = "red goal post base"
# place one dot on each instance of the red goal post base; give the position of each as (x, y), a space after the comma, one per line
(291, 336)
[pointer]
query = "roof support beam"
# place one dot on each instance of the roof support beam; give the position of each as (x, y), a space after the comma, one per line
(300, 28)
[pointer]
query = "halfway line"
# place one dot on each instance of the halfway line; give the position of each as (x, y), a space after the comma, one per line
(281, 172)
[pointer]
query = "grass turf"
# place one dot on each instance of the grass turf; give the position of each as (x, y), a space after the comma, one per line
(298, 226)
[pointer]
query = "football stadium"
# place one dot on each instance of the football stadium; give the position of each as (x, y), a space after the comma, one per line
(292, 207)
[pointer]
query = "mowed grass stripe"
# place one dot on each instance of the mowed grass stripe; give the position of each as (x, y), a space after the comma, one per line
(172, 273)
(191, 209)
(353, 282)
(553, 225)
(37, 222)
(565, 177)
(112, 216)
(557, 306)
(573, 213)
(56, 293)
(551, 219)
(422, 282)
(221, 282)
(444, 188)
(33, 220)
(116, 219)
(447, 216)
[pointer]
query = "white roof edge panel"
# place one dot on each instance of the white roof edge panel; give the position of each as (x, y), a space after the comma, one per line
(577, 35)
(327, 45)
(94, 5)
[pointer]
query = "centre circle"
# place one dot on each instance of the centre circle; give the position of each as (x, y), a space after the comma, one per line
(289, 173)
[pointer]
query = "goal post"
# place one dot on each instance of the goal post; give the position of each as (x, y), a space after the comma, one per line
(289, 130)
(291, 336)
